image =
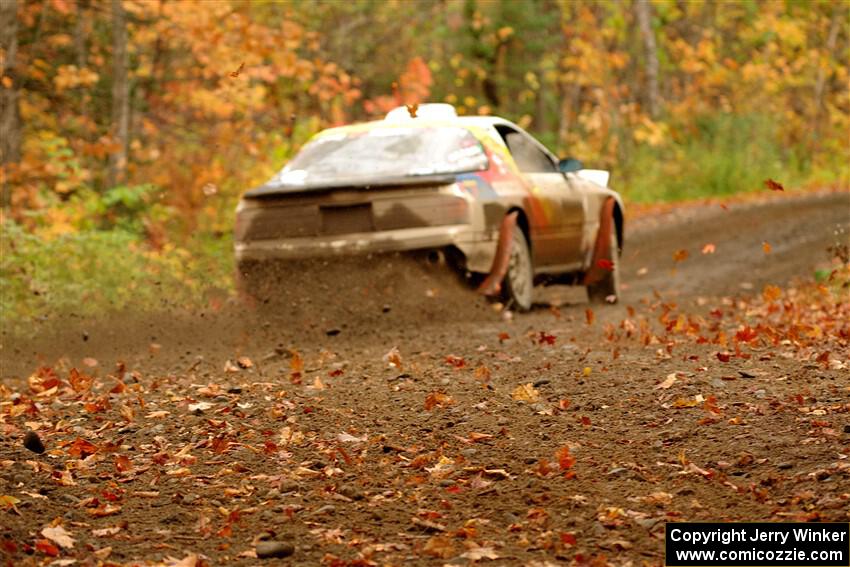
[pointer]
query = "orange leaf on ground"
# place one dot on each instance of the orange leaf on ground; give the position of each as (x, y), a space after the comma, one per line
(766, 247)
(393, 358)
(47, 548)
(479, 436)
(439, 546)
(589, 316)
(680, 255)
(123, 464)
(435, 399)
(565, 460)
(771, 293)
(81, 448)
(709, 248)
(482, 373)
(79, 382)
(525, 393)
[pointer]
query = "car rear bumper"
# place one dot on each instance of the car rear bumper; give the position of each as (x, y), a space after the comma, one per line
(475, 245)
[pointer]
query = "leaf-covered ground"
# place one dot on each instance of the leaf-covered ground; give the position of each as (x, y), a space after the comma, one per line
(399, 420)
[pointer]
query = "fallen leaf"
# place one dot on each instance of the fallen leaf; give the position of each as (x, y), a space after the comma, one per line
(473, 437)
(479, 553)
(482, 373)
(708, 249)
(47, 548)
(157, 414)
(680, 255)
(123, 464)
(104, 510)
(435, 399)
(393, 358)
(80, 448)
(546, 338)
(565, 460)
(771, 293)
(199, 407)
(59, 536)
(346, 438)
(102, 532)
(589, 316)
(188, 561)
(244, 362)
(669, 381)
(525, 393)
(79, 382)
(411, 109)
(9, 502)
(439, 546)
(766, 247)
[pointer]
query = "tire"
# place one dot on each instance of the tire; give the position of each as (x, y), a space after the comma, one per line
(518, 285)
(607, 290)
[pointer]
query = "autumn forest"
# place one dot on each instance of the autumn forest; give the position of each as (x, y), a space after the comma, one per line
(138, 123)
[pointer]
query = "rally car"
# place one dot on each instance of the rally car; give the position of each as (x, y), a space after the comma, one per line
(478, 190)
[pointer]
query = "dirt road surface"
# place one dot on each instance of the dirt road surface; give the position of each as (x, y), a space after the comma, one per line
(381, 415)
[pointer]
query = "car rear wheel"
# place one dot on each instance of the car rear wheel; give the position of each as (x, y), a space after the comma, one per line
(607, 289)
(518, 286)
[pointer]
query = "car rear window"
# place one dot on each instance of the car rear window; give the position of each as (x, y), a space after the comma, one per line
(385, 152)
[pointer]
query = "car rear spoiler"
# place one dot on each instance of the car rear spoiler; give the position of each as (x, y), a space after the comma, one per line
(269, 190)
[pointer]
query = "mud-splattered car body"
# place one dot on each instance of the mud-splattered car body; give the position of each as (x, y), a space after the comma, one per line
(485, 169)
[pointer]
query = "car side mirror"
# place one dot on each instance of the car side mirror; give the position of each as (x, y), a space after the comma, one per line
(570, 165)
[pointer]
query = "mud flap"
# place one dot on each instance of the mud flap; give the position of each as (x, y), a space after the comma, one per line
(601, 251)
(492, 285)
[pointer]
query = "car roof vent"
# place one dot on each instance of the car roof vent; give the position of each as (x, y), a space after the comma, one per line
(430, 111)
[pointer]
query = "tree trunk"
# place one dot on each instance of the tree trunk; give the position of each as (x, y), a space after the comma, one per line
(80, 34)
(643, 11)
(820, 82)
(10, 119)
(120, 95)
